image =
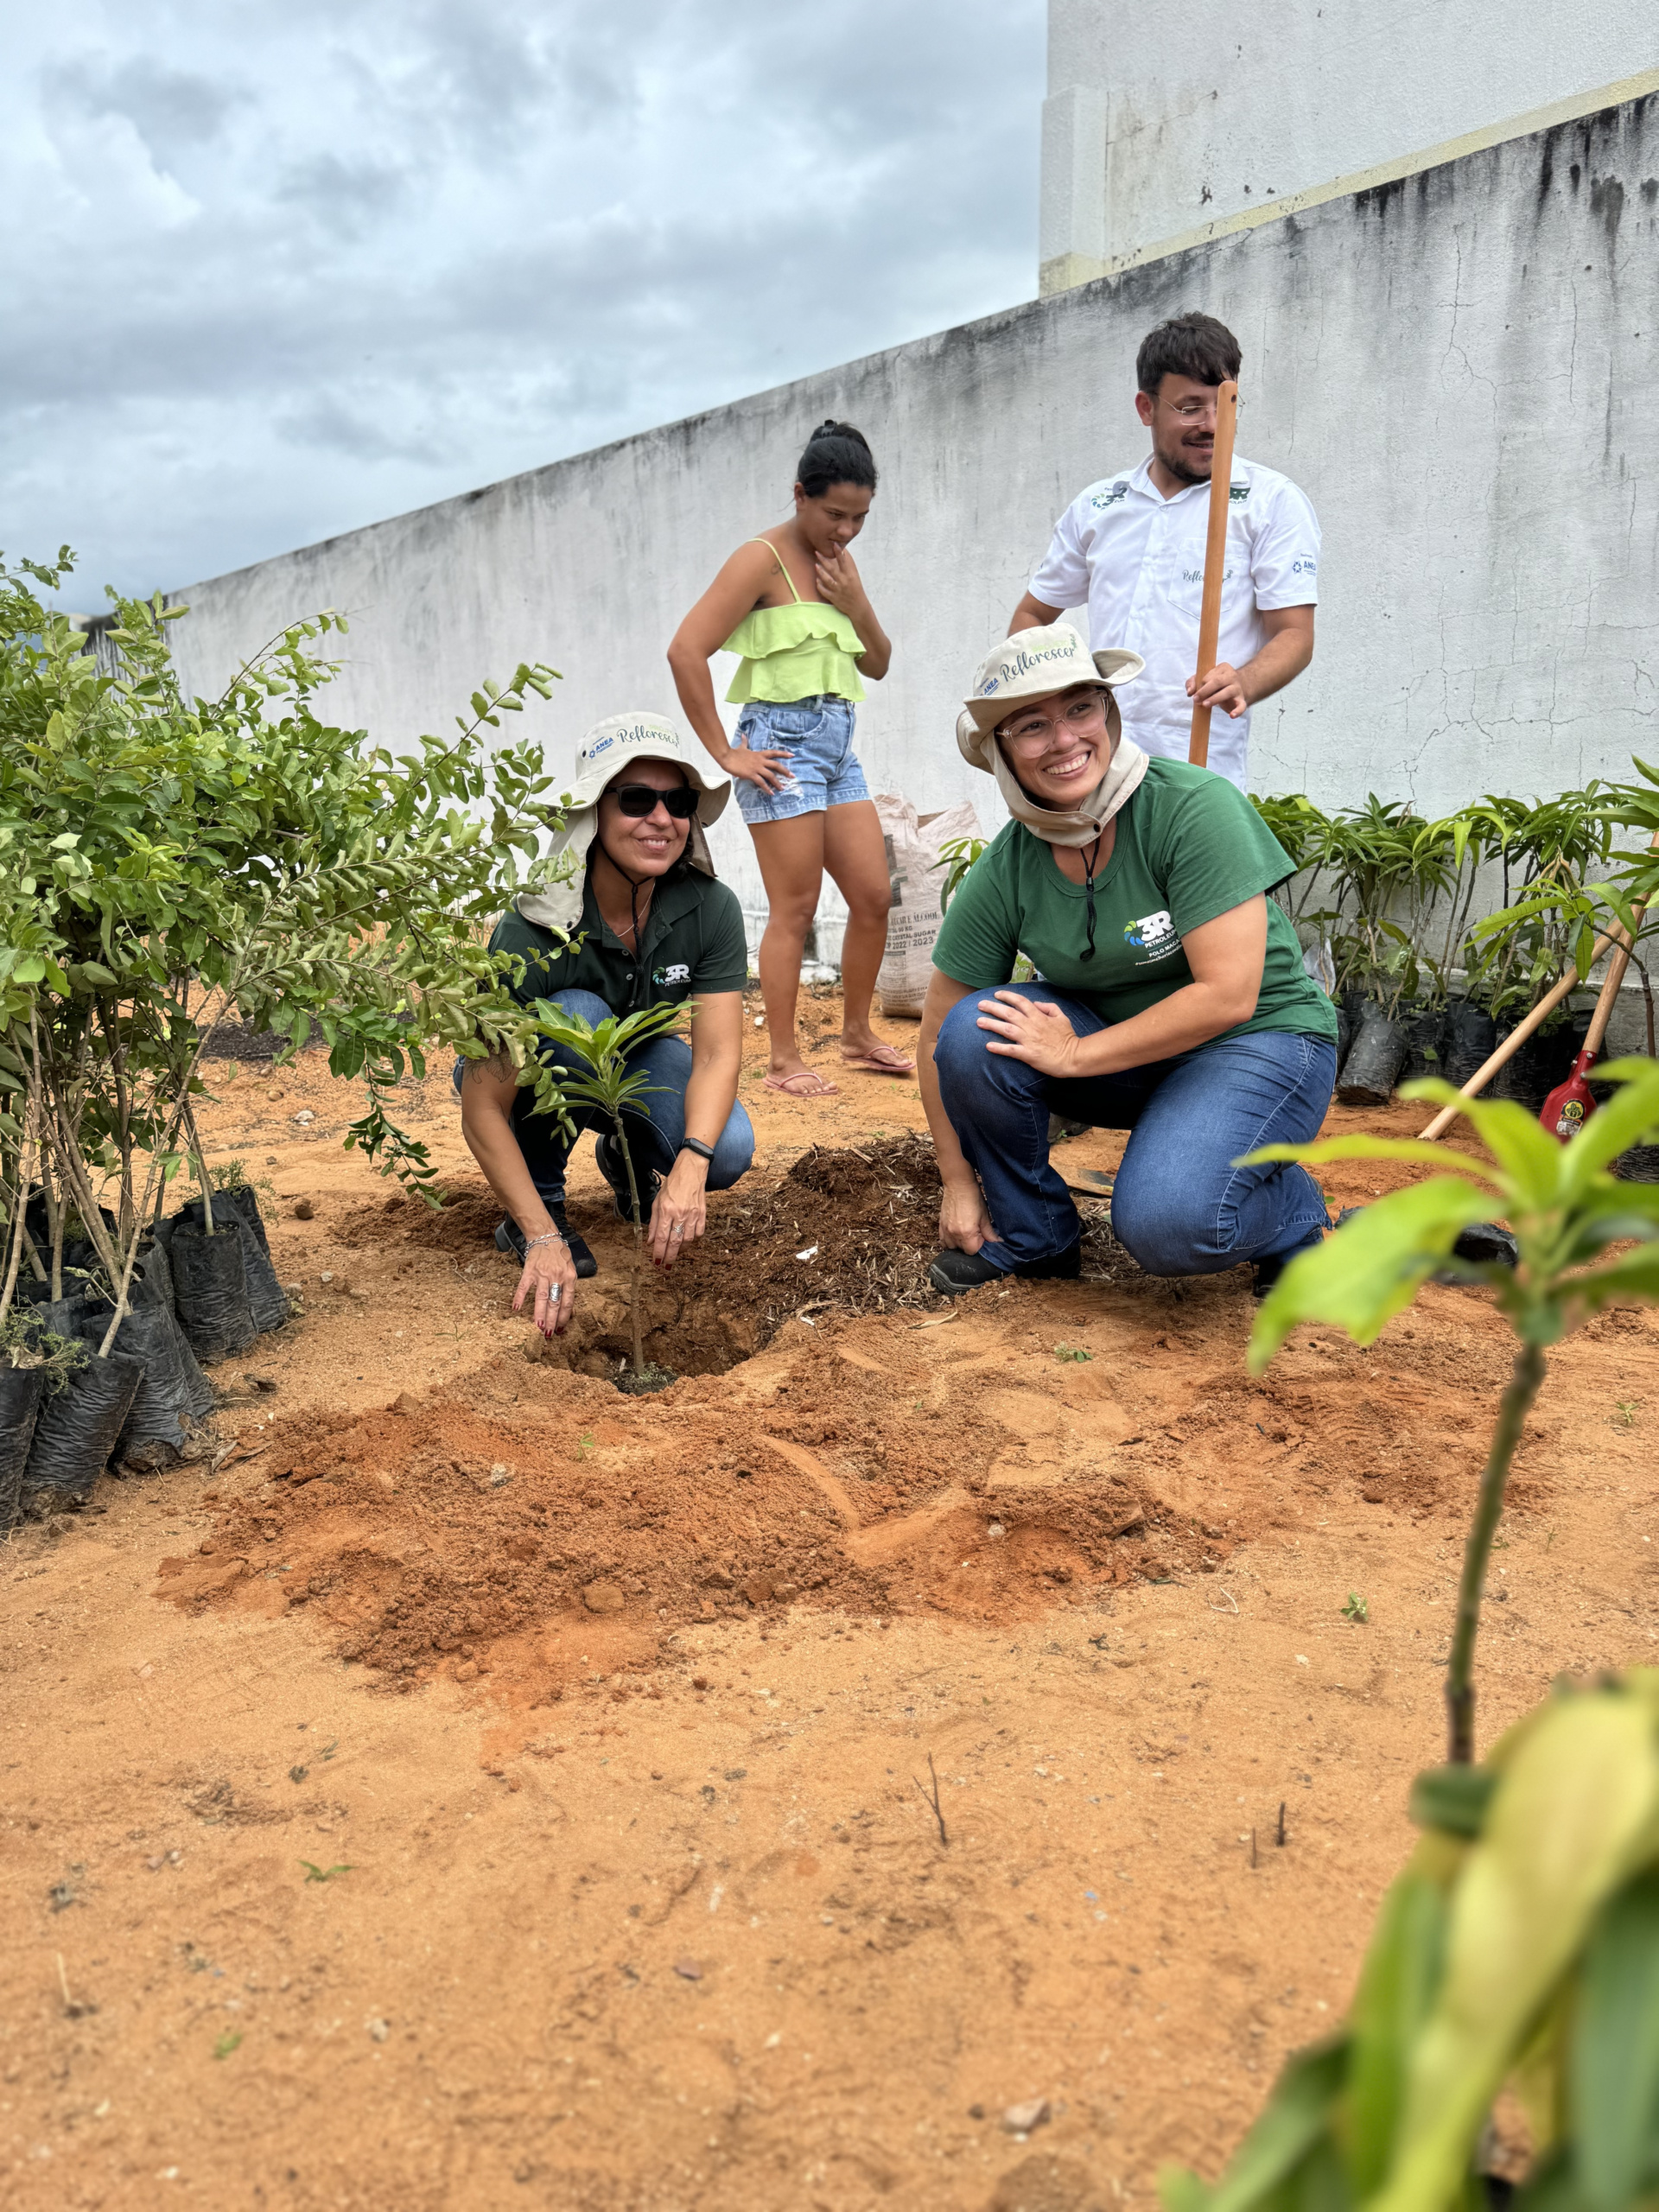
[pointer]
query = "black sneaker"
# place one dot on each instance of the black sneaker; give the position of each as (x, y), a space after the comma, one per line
(955, 1272)
(510, 1238)
(1264, 1273)
(616, 1174)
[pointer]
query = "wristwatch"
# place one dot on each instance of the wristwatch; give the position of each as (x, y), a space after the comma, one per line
(696, 1144)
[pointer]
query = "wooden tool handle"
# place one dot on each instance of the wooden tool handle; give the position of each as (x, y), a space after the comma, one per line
(1609, 990)
(1516, 1038)
(1214, 562)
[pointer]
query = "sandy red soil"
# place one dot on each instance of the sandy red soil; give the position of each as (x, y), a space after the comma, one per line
(612, 1723)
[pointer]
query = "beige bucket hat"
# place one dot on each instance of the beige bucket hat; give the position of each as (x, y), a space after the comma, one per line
(1035, 665)
(612, 746)
(607, 751)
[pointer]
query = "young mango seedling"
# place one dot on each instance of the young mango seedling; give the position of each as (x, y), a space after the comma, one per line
(1565, 1210)
(1520, 1946)
(613, 1089)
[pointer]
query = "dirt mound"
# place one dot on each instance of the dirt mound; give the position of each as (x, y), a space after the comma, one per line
(426, 1536)
(826, 1444)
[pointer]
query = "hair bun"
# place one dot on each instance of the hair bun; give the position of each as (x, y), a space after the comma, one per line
(836, 454)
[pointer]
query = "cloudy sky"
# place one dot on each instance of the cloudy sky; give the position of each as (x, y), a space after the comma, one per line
(288, 268)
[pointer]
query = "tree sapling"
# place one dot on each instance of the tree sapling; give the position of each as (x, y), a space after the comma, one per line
(610, 1087)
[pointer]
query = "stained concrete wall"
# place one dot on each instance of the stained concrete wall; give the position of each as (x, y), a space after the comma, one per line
(1459, 369)
(1154, 125)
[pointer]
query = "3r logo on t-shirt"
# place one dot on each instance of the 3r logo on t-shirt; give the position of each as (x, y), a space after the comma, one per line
(1154, 934)
(676, 972)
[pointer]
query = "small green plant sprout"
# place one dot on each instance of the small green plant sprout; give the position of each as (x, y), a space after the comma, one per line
(1566, 1212)
(1357, 1608)
(610, 1087)
(584, 1445)
(1627, 1411)
(957, 856)
(227, 2043)
(1071, 1351)
(324, 1873)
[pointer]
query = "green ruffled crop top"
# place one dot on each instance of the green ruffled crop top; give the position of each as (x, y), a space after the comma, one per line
(794, 653)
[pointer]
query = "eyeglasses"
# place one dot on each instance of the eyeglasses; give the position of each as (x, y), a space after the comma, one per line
(1189, 411)
(1031, 735)
(637, 800)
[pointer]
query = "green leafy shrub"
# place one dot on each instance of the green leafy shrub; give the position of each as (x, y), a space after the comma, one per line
(167, 863)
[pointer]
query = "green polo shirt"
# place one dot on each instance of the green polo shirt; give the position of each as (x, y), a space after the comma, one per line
(693, 946)
(1189, 846)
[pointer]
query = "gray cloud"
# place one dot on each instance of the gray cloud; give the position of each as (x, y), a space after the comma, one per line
(352, 261)
(171, 109)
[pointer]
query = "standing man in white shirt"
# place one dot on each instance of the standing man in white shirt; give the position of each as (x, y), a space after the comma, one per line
(1132, 547)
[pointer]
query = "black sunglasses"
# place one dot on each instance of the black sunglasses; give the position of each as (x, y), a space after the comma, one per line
(638, 800)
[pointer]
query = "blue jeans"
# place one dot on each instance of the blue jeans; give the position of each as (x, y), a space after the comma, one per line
(823, 770)
(1180, 1206)
(655, 1127)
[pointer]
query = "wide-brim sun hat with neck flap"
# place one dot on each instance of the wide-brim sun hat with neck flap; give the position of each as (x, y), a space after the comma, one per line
(607, 751)
(1035, 665)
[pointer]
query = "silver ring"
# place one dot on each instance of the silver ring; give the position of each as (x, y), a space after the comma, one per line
(553, 1295)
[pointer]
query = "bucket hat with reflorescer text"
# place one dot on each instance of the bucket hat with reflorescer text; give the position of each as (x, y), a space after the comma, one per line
(608, 750)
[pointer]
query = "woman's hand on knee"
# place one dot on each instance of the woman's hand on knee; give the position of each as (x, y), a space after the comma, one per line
(1032, 1030)
(548, 1285)
(964, 1225)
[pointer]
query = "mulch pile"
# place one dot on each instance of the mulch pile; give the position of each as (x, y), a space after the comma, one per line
(844, 1228)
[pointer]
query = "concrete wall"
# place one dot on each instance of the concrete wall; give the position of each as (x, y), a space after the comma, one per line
(1156, 125)
(1459, 369)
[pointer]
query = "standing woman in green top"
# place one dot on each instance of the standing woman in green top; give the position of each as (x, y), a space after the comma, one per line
(792, 604)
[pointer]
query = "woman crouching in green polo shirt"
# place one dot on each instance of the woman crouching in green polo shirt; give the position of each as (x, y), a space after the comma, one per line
(640, 921)
(1171, 999)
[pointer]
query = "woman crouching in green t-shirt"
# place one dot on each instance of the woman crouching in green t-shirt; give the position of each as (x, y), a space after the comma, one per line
(1172, 1001)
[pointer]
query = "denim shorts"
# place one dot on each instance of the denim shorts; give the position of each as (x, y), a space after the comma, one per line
(817, 735)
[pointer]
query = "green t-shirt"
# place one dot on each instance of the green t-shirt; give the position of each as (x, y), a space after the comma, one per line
(694, 945)
(1190, 846)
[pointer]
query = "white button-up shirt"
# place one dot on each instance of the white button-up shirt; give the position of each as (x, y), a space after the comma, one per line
(1136, 560)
